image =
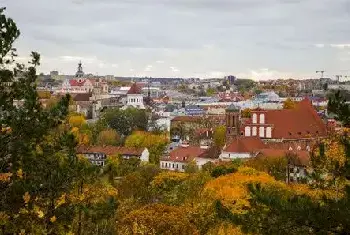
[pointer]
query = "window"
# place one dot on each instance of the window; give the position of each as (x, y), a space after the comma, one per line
(247, 131)
(177, 166)
(254, 118)
(254, 131)
(183, 167)
(261, 131)
(262, 118)
(268, 132)
(173, 165)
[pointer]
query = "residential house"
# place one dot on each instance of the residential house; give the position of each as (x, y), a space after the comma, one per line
(242, 147)
(179, 158)
(97, 155)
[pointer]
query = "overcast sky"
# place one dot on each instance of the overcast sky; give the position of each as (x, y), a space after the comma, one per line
(257, 39)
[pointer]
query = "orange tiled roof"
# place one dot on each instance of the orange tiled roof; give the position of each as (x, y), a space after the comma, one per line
(299, 122)
(245, 145)
(134, 89)
(186, 154)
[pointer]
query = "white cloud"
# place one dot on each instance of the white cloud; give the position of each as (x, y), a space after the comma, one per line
(174, 69)
(265, 74)
(148, 68)
(160, 62)
(340, 46)
(319, 45)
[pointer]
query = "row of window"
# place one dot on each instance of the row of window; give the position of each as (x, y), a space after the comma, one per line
(133, 100)
(263, 132)
(172, 165)
(261, 118)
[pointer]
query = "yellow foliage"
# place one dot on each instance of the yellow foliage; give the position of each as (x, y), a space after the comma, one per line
(93, 194)
(40, 213)
(168, 178)
(5, 177)
(232, 189)
(53, 219)
(76, 120)
(60, 201)
(225, 228)
(288, 104)
(20, 173)
(26, 197)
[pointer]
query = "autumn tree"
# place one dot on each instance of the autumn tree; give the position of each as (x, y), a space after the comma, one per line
(155, 143)
(220, 136)
(108, 137)
(288, 104)
(338, 106)
(157, 219)
(37, 150)
(246, 113)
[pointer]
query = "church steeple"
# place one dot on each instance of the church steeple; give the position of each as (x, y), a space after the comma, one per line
(80, 72)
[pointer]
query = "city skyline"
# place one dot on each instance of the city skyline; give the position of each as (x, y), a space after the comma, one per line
(251, 39)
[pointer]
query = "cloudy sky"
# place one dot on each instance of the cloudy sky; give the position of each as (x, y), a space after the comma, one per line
(257, 39)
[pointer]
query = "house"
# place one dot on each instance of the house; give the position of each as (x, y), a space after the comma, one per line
(97, 155)
(299, 123)
(134, 97)
(179, 158)
(242, 147)
(298, 161)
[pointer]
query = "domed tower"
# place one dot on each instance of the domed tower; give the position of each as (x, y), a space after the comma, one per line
(79, 73)
(232, 121)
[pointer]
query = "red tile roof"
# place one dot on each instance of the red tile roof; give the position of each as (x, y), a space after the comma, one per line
(186, 154)
(245, 145)
(111, 150)
(134, 89)
(299, 122)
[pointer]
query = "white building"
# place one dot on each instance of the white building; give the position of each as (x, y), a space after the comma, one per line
(179, 158)
(134, 97)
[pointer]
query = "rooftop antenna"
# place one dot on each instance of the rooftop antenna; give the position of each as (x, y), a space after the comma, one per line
(321, 72)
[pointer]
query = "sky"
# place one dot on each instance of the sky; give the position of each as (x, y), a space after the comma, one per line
(258, 39)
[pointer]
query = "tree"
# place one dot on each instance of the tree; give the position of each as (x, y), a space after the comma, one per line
(108, 137)
(157, 219)
(338, 106)
(124, 121)
(288, 104)
(155, 143)
(38, 162)
(274, 166)
(246, 113)
(220, 136)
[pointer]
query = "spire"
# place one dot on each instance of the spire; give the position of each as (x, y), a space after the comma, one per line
(80, 72)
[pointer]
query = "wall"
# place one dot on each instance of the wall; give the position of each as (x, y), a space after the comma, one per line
(173, 166)
(228, 155)
(145, 155)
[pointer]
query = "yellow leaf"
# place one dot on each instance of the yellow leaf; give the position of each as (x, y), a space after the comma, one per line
(5, 177)
(26, 197)
(53, 219)
(20, 173)
(40, 213)
(23, 231)
(60, 201)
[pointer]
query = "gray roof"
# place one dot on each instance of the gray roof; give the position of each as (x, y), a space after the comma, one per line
(233, 108)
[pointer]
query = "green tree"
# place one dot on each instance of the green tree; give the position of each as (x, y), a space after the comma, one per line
(37, 151)
(108, 137)
(338, 106)
(220, 136)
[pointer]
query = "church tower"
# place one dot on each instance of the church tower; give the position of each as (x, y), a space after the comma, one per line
(79, 73)
(232, 122)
